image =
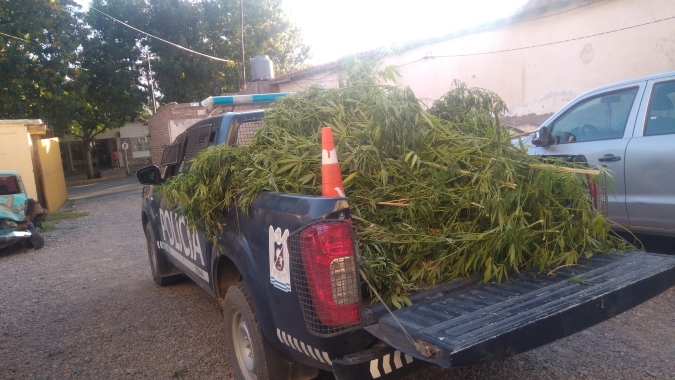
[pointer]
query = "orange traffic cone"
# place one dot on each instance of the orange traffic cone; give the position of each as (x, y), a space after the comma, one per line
(331, 179)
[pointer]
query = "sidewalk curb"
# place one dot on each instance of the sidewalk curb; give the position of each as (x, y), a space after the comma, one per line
(94, 180)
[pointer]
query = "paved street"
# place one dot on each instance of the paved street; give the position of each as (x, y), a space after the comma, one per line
(97, 189)
(85, 307)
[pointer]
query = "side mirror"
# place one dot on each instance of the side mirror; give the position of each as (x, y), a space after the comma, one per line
(149, 175)
(543, 137)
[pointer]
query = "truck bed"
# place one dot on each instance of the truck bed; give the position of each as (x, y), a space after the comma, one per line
(468, 323)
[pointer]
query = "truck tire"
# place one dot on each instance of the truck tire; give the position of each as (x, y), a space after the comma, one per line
(163, 271)
(250, 355)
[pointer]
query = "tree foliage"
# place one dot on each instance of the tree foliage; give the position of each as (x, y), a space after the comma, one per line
(36, 61)
(105, 89)
(213, 27)
(85, 72)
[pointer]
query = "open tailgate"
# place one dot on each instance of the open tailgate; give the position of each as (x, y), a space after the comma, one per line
(478, 323)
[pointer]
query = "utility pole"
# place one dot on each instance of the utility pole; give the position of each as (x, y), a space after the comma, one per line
(152, 85)
(242, 85)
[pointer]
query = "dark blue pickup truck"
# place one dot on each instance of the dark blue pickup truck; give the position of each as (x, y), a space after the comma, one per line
(286, 275)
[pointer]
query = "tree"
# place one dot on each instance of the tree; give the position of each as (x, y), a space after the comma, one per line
(213, 27)
(80, 72)
(39, 41)
(268, 31)
(105, 88)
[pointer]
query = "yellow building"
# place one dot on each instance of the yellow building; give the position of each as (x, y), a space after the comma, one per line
(37, 160)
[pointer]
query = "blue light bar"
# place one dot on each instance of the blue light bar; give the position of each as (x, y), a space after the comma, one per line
(214, 101)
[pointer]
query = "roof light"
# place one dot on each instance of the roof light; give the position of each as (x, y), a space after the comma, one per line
(238, 100)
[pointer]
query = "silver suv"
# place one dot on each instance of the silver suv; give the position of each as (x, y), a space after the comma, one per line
(629, 128)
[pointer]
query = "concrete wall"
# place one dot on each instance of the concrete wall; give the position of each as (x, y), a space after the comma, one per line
(16, 155)
(537, 81)
(259, 87)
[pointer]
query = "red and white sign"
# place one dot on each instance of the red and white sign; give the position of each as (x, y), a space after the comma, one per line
(125, 145)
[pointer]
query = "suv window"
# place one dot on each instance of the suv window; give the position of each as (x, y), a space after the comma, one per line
(661, 113)
(601, 117)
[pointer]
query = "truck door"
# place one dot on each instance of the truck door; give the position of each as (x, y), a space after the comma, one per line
(186, 248)
(596, 129)
(650, 160)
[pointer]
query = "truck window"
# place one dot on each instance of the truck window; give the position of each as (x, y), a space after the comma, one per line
(198, 138)
(172, 155)
(246, 132)
(661, 113)
(601, 117)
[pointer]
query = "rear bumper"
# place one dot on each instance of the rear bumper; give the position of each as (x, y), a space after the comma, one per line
(380, 362)
(13, 237)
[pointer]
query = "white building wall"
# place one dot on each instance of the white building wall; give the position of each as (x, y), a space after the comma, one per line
(541, 79)
(176, 127)
(537, 81)
(134, 130)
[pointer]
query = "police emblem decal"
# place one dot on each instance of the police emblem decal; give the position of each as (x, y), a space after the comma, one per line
(280, 275)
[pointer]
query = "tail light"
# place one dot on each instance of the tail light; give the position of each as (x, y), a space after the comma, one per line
(330, 293)
(596, 190)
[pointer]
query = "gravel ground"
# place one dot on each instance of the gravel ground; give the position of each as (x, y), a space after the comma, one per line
(85, 307)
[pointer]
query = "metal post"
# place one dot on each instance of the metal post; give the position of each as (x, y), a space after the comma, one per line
(152, 86)
(243, 61)
(126, 160)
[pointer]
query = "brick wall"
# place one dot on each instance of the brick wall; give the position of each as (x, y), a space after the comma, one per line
(158, 125)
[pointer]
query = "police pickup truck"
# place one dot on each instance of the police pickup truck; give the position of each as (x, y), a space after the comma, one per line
(287, 279)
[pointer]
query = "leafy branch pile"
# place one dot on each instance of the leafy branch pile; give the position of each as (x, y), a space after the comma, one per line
(434, 194)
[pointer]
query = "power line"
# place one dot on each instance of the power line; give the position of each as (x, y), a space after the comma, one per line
(539, 45)
(16, 38)
(163, 40)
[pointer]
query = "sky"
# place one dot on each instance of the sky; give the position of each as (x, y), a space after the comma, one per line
(334, 29)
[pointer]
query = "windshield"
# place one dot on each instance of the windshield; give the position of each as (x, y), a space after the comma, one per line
(9, 185)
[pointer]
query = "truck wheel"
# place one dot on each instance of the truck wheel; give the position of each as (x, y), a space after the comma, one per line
(36, 240)
(242, 333)
(163, 271)
(250, 356)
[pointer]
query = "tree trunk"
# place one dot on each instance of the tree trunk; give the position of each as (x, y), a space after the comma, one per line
(87, 154)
